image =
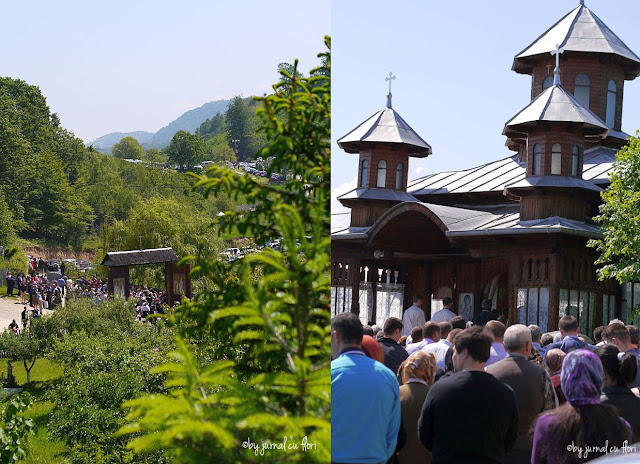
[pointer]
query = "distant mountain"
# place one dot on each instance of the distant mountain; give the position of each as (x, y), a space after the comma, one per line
(106, 142)
(189, 122)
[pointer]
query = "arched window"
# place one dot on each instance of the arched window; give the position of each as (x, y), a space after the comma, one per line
(382, 173)
(547, 82)
(556, 159)
(364, 175)
(612, 98)
(399, 176)
(537, 154)
(574, 160)
(582, 89)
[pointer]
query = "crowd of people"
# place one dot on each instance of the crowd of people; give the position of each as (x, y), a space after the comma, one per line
(149, 302)
(36, 290)
(450, 390)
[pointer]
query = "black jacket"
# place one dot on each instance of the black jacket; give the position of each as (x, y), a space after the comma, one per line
(483, 317)
(627, 403)
(394, 354)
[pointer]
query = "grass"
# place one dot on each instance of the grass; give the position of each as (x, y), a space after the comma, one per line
(3, 293)
(43, 374)
(42, 448)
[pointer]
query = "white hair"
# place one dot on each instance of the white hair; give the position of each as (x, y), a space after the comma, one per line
(516, 337)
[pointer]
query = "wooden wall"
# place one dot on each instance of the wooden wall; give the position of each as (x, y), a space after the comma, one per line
(540, 207)
(392, 155)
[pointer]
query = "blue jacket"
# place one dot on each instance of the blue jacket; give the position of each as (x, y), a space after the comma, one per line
(571, 343)
(365, 409)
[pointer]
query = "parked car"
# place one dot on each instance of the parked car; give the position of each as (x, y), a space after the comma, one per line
(53, 265)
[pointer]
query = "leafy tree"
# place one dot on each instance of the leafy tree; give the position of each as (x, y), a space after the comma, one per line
(186, 150)
(161, 222)
(620, 218)
(276, 315)
(30, 345)
(15, 259)
(128, 148)
(212, 127)
(238, 128)
(6, 224)
(154, 155)
(55, 210)
(218, 149)
(26, 110)
(107, 357)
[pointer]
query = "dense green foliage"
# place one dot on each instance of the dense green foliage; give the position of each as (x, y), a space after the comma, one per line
(56, 191)
(270, 375)
(128, 148)
(620, 218)
(39, 163)
(186, 150)
(7, 234)
(218, 149)
(159, 222)
(212, 127)
(15, 429)
(238, 127)
(107, 359)
(15, 260)
(29, 345)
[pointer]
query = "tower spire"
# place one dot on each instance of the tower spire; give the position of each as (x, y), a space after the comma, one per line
(581, 2)
(389, 79)
(556, 71)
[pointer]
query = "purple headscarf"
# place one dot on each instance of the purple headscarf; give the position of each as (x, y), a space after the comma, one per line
(582, 377)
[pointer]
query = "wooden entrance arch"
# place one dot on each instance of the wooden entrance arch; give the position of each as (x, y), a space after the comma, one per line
(177, 281)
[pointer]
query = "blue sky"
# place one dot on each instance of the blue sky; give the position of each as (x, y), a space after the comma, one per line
(454, 82)
(125, 65)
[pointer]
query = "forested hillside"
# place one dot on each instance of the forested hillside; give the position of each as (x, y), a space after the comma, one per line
(54, 190)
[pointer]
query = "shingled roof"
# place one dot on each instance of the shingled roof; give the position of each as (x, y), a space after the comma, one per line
(138, 257)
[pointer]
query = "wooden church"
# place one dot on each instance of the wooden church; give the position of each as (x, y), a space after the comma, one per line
(514, 230)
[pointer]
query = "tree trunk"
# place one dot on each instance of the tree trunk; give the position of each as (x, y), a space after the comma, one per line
(28, 370)
(11, 381)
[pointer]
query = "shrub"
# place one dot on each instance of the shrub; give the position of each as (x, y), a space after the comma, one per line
(15, 259)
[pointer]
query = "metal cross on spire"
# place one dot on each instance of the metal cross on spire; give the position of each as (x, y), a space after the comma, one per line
(556, 72)
(390, 78)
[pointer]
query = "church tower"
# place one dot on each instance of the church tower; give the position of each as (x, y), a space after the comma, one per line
(384, 143)
(595, 65)
(553, 130)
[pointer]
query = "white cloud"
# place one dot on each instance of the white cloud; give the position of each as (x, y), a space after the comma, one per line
(418, 170)
(338, 217)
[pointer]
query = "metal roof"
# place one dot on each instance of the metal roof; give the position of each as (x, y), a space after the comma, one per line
(579, 31)
(377, 194)
(136, 257)
(555, 182)
(494, 176)
(498, 220)
(555, 105)
(385, 126)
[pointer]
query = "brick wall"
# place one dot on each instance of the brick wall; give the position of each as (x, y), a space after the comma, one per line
(600, 72)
